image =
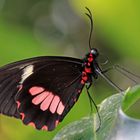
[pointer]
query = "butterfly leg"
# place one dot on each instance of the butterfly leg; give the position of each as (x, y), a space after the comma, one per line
(123, 71)
(101, 73)
(89, 96)
(126, 72)
(92, 102)
(88, 85)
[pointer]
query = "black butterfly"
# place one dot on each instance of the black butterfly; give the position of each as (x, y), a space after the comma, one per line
(41, 91)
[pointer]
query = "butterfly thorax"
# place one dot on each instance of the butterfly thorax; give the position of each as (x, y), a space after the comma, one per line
(89, 66)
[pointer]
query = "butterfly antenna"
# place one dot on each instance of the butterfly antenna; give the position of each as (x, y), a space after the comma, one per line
(89, 14)
(92, 101)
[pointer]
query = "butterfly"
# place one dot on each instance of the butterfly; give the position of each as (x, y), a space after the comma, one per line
(42, 90)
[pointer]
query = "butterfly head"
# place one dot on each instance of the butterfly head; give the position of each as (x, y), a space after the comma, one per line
(94, 52)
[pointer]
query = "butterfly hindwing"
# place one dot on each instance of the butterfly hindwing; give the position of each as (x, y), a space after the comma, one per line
(47, 94)
(40, 91)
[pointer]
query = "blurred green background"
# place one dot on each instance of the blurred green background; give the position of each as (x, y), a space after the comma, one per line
(51, 27)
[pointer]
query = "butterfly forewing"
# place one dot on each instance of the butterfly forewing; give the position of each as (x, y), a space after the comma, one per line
(42, 89)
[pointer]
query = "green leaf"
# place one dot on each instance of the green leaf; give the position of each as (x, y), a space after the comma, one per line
(115, 124)
(77, 130)
(131, 97)
(125, 127)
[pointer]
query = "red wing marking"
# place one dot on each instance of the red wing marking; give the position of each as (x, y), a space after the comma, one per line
(45, 127)
(46, 99)
(60, 108)
(32, 124)
(46, 103)
(54, 104)
(40, 98)
(84, 77)
(18, 104)
(36, 90)
(22, 116)
(56, 123)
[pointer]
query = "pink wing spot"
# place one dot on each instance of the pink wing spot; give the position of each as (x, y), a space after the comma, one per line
(22, 116)
(46, 103)
(36, 90)
(32, 124)
(18, 104)
(54, 104)
(60, 108)
(56, 123)
(45, 128)
(40, 98)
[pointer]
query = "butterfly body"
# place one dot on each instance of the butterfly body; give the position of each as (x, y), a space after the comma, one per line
(41, 91)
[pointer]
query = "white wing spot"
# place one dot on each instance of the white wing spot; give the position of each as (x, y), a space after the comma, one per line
(27, 71)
